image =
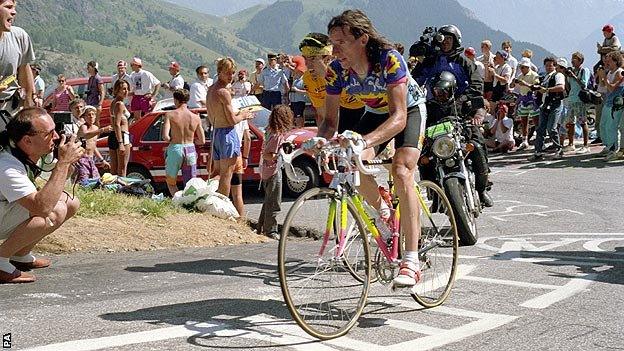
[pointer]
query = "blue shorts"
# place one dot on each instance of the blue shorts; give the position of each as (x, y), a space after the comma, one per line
(180, 156)
(225, 144)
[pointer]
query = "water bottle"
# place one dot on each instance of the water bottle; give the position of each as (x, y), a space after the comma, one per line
(379, 222)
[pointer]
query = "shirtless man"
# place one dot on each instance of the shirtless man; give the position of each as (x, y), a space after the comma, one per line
(185, 127)
(226, 144)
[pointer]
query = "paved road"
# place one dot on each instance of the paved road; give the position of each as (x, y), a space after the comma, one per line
(547, 274)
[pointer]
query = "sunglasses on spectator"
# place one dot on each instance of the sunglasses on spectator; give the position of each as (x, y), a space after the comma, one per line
(46, 134)
(61, 81)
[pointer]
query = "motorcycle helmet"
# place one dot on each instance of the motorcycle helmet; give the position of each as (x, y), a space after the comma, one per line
(443, 86)
(453, 31)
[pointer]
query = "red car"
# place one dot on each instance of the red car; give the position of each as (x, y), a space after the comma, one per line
(147, 159)
(80, 87)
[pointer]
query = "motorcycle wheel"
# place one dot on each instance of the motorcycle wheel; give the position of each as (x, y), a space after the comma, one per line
(466, 221)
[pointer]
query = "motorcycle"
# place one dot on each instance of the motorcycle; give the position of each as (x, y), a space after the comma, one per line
(446, 147)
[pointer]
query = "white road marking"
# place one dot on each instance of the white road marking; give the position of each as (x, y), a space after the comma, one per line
(594, 245)
(511, 283)
(573, 287)
(46, 296)
(513, 172)
(538, 213)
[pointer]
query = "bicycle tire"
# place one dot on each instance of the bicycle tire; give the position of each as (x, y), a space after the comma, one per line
(326, 312)
(439, 236)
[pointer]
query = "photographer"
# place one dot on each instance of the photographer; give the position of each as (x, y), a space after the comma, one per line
(445, 55)
(28, 212)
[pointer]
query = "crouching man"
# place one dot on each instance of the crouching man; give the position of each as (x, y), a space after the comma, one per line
(28, 213)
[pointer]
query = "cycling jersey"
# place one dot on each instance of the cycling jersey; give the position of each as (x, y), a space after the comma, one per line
(373, 89)
(316, 86)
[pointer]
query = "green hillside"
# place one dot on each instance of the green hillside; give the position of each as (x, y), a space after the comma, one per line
(69, 33)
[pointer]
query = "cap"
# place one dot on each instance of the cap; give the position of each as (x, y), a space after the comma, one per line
(503, 54)
(562, 62)
(470, 51)
(608, 28)
(87, 109)
(299, 62)
(525, 61)
(174, 65)
(137, 61)
(271, 56)
(260, 60)
(121, 63)
(94, 64)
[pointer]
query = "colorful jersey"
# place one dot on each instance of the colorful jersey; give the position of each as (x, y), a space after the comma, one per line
(316, 85)
(373, 89)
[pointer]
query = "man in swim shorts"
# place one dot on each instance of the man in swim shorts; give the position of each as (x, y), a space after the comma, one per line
(226, 146)
(181, 128)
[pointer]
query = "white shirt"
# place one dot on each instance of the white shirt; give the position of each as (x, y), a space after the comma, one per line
(176, 82)
(503, 70)
(480, 68)
(143, 82)
(504, 136)
(240, 128)
(513, 63)
(198, 92)
(14, 182)
(241, 88)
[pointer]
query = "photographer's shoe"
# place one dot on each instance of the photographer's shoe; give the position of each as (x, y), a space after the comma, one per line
(36, 264)
(17, 277)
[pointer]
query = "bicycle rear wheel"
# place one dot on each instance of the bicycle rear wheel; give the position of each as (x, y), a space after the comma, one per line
(325, 293)
(438, 246)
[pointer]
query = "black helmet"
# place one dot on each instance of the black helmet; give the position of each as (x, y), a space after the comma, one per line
(453, 31)
(443, 86)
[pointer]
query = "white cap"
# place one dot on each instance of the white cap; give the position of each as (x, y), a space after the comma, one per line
(260, 60)
(525, 61)
(562, 62)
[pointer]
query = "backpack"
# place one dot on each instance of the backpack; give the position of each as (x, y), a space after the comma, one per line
(186, 86)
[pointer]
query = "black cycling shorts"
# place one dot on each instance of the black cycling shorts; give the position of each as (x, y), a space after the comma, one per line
(348, 118)
(412, 136)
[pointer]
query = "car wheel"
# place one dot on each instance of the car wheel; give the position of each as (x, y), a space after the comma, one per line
(302, 167)
(138, 172)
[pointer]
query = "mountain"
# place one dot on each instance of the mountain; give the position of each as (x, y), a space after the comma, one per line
(560, 25)
(69, 33)
(400, 20)
(218, 7)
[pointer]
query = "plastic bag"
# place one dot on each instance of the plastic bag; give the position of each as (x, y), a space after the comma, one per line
(217, 205)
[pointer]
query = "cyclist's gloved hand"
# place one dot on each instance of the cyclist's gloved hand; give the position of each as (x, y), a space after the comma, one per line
(356, 138)
(313, 143)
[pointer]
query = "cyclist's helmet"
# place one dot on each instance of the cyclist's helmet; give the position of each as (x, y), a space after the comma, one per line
(443, 86)
(453, 31)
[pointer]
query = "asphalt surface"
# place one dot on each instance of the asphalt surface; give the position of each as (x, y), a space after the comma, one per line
(547, 274)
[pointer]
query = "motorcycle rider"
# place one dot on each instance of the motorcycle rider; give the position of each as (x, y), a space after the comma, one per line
(468, 92)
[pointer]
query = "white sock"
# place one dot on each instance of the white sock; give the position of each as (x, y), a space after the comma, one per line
(412, 256)
(384, 210)
(6, 266)
(27, 258)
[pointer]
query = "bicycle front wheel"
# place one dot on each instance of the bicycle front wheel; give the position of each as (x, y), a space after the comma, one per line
(438, 246)
(325, 291)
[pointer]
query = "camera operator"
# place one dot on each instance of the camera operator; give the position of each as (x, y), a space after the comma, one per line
(446, 56)
(28, 212)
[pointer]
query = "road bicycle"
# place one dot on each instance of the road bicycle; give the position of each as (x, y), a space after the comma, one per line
(325, 283)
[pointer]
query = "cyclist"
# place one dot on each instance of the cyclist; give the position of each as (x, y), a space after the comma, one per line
(316, 50)
(369, 68)
(469, 85)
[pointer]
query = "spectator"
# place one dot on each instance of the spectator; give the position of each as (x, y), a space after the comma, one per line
(242, 131)
(298, 93)
(316, 49)
(27, 214)
(553, 88)
(470, 55)
(256, 87)
(529, 54)
(95, 89)
(85, 166)
(526, 104)
(39, 84)
(61, 96)
(487, 59)
(122, 73)
(199, 88)
(280, 122)
(511, 61)
(601, 87)
(241, 87)
(119, 140)
(181, 128)
(274, 82)
(502, 131)
(613, 79)
(502, 75)
(176, 81)
(577, 77)
(400, 48)
(225, 143)
(15, 61)
(611, 41)
(144, 87)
